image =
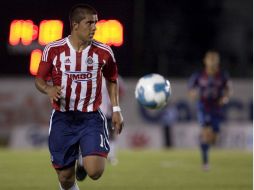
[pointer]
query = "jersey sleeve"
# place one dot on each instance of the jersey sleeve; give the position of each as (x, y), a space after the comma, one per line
(45, 66)
(193, 81)
(110, 71)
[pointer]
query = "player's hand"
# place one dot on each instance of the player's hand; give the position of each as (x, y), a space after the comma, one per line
(54, 92)
(223, 100)
(193, 93)
(117, 122)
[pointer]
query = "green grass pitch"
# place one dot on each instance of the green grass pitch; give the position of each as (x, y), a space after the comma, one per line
(137, 170)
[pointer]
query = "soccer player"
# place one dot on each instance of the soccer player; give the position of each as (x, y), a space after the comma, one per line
(76, 64)
(211, 89)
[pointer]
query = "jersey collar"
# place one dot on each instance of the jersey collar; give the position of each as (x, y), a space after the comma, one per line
(72, 48)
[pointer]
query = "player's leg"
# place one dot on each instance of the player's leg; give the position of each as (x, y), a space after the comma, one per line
(205, 136)
(63, 148)
(205, 141)
(66, 178)
(94, 166)
(94, 145)
(214, 138)
(215, 128)
(80, 170)
(209, 137)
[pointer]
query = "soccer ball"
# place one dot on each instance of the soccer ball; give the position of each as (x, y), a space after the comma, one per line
(153, 91)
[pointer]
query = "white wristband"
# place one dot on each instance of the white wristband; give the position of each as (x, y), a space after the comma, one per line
(116, 109)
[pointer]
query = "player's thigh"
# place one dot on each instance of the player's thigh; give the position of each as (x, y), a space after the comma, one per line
(94, 140)
(215, 137)
(62, 142)
(59, 128)
(216, 131)
(94, 144)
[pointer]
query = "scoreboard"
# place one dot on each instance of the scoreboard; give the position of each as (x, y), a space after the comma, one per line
(26, 37)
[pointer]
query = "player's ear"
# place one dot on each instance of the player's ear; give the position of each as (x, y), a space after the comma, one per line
(74, 25)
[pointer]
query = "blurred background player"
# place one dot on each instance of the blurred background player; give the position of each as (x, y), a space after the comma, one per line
(76, 64)
(211, 89)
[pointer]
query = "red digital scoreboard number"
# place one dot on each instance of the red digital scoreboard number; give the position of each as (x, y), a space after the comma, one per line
(24, 32)
(50, 30)
(35, 59)
(109, 32)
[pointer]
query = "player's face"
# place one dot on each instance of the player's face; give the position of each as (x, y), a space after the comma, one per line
(86, 28)
(212, 61)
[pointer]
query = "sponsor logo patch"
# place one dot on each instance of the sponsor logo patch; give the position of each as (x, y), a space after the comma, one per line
(79, 76)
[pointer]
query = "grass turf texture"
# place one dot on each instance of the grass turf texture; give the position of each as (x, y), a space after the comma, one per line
(137, 170)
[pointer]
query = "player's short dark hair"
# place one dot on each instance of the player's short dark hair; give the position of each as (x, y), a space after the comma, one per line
(212, 51)
(78, 12)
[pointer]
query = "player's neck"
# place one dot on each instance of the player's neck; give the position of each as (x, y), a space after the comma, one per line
(78, 44)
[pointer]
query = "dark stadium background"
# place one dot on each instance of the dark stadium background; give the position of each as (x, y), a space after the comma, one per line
(164, 36)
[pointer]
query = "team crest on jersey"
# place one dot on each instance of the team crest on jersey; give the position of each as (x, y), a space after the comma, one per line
(89, 60)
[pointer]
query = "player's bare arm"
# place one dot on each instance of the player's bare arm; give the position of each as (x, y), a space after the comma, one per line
(117, 118)
(226, 94)
(54, 92)
(225, 98)
(193, 94)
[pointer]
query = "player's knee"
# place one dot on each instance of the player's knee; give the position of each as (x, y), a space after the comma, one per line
(208, 139)
(206, 135)
(95, 175)
(204, 138)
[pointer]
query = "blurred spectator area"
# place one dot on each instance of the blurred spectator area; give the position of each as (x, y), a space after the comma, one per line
(25, 113)
(29, 106)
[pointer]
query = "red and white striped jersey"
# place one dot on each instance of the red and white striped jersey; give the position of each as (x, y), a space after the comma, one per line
(78, 73)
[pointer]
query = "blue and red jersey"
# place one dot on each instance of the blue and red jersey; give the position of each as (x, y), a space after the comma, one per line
(210, 89)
